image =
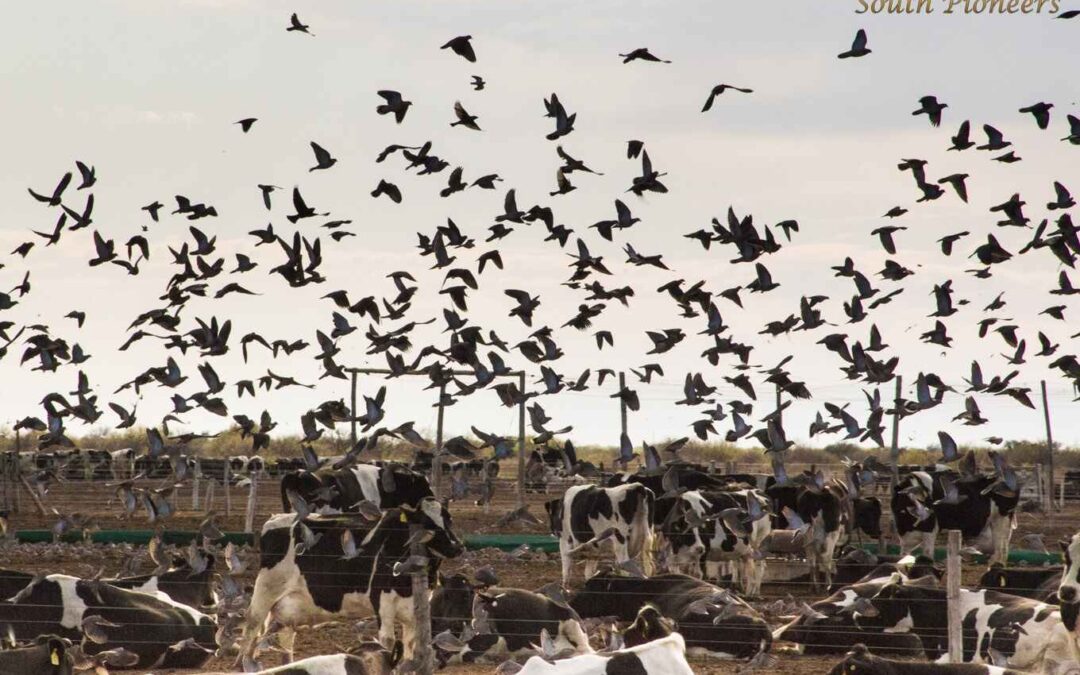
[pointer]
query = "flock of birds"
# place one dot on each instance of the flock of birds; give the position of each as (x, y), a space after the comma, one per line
(202, 274)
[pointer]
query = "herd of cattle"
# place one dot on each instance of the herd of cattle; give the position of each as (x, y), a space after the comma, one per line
(689, 549)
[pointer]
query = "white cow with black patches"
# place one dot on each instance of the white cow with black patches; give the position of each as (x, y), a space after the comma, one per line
(666, 656)
(585, 512)
(320, 584)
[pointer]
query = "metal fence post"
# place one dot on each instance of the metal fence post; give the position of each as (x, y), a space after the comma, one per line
(249, 515)
(436, 461)
(352, 411)
(1049, 450)
(952, 594)
(622, 404)
(894, 448)
(225, 487)
(521, 444)
(422, 653)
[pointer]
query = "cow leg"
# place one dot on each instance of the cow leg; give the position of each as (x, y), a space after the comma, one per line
(287, 639)
(928, 544)
(567, 563)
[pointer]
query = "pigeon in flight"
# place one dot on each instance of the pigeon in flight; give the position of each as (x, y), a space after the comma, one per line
(462, 46)
(720, 89)
(295, 25)
(858, 47)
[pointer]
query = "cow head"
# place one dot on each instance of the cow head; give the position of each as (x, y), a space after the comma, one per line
(435, 518)
(649, 625)
(554, 508)
(377, 659)
(859, 661)
(681, 531)
(1069, 590)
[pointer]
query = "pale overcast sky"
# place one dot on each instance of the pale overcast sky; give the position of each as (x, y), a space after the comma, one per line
(147, 91)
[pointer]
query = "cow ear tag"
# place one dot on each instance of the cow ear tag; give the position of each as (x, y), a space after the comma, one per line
(851, 668)
(54, 657)
(1003, 582)
(404, 518)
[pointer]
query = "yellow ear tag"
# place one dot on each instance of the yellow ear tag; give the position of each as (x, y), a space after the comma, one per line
(851, 668)
(404, 519)
(54, 657)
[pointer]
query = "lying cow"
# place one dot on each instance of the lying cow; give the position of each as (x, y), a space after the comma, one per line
(835, 625)
(369, 658)
(586, 513)
(340, 490)
(666, 656)
(49, 655)
(711, 620)
(1037, 583)
(178, 582)
(1023, 630)
(509, 621)
(162, 632)
(326, 581)
(860, 661)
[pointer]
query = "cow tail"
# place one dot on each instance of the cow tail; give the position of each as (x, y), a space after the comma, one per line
(648, 548)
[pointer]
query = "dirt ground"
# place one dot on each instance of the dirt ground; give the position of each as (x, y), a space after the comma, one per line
(530, 571)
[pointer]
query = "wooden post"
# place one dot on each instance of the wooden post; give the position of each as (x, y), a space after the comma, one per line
(894, 449)
(16, 469)
(1061, 500)
(195, 487)
(249, 516)
(622, 404)
(209, 502)
(225, 487)
(952, 594)
(352, 412)
(1040, 487)
(422, 652)
(1049, 449)
(521, 444)
(436, 462)
(779, 412)
(33, 495)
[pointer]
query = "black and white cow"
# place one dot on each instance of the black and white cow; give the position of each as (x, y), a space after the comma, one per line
(976, 515)
(322, 583)
(47, 656)
(149, 624)
(1069, 590)
(339, 490)
(827, 509)
(509, 621)
(666, 656)
(1037, 583)
(584, 512)
(178, 582)
(861, 662)
(369, 658)
(738, 631)
(1026, 631)
(451, 604)
(690, 536)
(834, 628)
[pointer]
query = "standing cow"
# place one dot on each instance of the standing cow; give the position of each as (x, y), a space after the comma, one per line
(310, 573)
(586, 513)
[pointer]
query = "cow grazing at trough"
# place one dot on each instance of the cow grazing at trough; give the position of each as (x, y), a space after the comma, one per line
(1037, 583)
(180, 582)
(711, 620)
(859, 661)
(1025, 631)
(48, 655)
(163, 633)
(587, 514)
(509, 621)
(921, 506)
(666, 656)
(826, 508)
(340, 490)
(337, 567)
(707, 529)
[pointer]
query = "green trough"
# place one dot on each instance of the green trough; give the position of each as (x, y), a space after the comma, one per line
(505, 542)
